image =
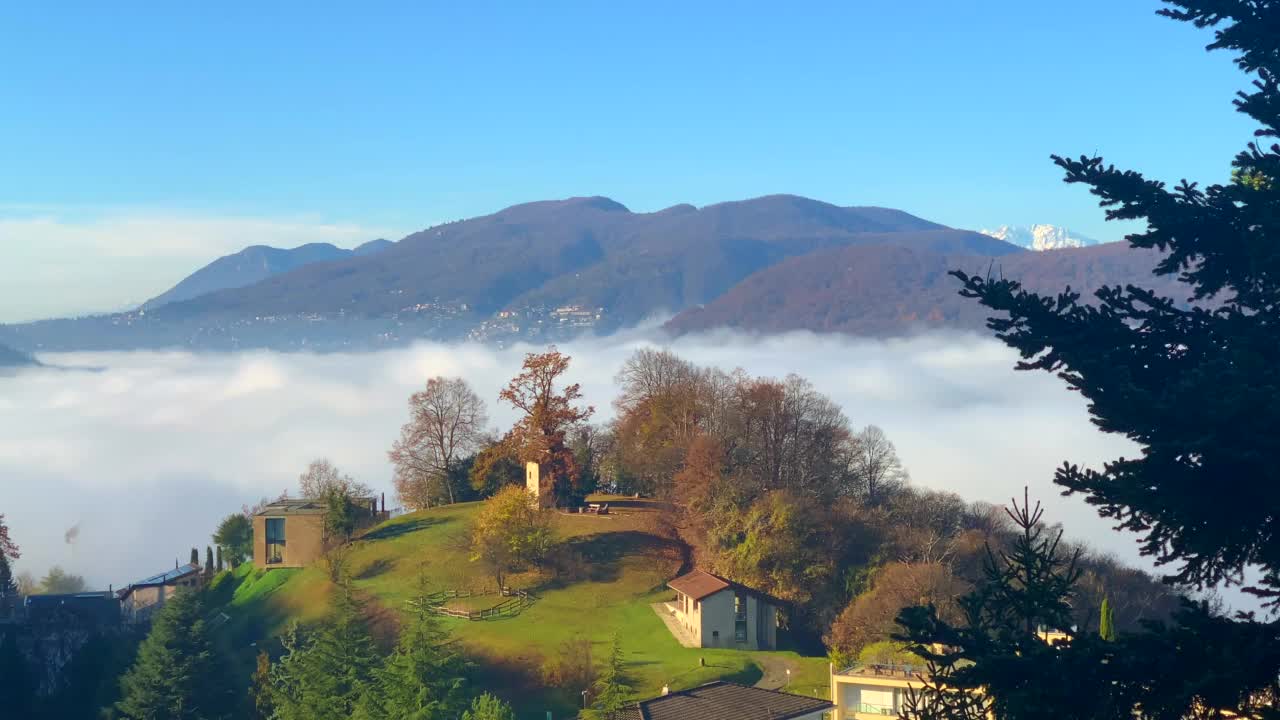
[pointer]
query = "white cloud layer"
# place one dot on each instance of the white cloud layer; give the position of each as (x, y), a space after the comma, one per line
(110, 262)
(149, 452)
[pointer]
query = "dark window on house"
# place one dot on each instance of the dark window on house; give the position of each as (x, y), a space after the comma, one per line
(740, 618)
(275, 540)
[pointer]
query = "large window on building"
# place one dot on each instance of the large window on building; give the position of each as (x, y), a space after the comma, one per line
(275, 540)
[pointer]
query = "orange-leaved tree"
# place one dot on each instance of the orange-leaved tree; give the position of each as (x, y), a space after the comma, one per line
(540, 435)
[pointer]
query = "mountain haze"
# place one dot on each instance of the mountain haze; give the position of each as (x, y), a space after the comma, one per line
(588, 251)
(892, 289)
(254, 264)
(545, 270)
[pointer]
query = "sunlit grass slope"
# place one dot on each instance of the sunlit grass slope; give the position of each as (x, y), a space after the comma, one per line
(623, 569)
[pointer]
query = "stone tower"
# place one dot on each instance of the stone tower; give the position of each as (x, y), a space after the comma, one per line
(538, 482)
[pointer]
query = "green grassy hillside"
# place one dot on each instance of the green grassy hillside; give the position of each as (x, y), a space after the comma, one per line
(619, 569)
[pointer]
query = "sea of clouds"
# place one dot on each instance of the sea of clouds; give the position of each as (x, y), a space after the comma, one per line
(142, 453)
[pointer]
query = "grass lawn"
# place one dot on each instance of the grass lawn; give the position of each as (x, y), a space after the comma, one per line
(623, 569)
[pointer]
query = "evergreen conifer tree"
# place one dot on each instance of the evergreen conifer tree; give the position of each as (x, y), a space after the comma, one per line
(1197, 386)
(260, 693)
(424, 679)
(8, 588)
(208, 560)
(325, 675)
(489, 707)
(195, 557)
(177, 674)
(218, 551)
(611, 689)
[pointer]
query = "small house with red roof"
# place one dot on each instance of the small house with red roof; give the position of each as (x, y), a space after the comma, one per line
(716, 612)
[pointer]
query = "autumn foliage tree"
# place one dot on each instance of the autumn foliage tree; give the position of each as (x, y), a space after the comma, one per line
(541, 434)
(447, 420)
(510, 532)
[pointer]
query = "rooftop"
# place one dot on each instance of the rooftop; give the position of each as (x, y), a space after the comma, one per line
(311, 506)
(895, 671)
(168, 576)
(725, 701)
(698, 584)
(300, 506)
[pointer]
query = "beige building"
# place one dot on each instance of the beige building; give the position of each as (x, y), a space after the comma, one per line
(719, 613)
(142, 599)
(290, 533)
(867, 691)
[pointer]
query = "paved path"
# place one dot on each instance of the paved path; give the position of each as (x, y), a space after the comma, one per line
(775, 671)
(684, 637)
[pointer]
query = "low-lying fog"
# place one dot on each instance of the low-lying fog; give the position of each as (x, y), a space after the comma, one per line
(147, 453)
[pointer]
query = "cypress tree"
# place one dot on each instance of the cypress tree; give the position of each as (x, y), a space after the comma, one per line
(324, 676)
(208, 560)
(195, 557)
(424, 679)
(219, 553)
(177, 673)
(1106, 623)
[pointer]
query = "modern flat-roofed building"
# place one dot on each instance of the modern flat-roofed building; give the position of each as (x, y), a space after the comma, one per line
(290, 533)
(868, 691)
(719, 613)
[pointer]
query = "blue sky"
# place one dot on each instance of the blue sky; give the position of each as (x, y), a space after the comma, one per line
(278, 122)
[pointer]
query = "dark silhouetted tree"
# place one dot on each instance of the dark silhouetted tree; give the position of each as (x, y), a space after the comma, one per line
(1195, 382)
(178, 672)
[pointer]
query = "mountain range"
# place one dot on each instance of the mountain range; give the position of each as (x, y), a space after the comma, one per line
(545, 270)
(1040, 237)
(12, 358)
(255, 264)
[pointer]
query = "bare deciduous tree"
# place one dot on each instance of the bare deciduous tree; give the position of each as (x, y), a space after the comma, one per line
(323, 476)
(446, 421)
(875, 467)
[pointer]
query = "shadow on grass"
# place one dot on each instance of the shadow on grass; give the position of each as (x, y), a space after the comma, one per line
(374, 569)
(598, 558)
(403, 528)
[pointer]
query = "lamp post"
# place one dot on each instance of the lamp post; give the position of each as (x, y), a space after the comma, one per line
(584, 699)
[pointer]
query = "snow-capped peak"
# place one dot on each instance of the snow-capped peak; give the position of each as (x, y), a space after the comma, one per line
(1039, 237)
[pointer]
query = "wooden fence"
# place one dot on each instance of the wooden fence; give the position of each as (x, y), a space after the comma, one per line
(516, 602)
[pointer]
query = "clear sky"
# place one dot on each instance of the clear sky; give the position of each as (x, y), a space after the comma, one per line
(140, 140)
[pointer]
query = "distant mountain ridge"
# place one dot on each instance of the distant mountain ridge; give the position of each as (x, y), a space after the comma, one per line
(589, 251)
(546, 270)
(255, 264)
(889, 290)
(12, 358)
(1040, 237)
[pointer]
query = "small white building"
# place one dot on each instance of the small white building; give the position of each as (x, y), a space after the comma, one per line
(719, 613)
